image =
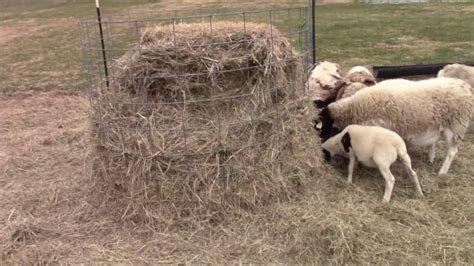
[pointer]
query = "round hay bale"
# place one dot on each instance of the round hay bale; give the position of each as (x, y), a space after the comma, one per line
(203, 60)
(201, 124)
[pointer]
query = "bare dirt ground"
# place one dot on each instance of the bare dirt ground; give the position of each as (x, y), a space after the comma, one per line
(25, 28)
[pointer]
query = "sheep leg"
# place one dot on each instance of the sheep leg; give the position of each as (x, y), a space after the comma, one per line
(389, 182)
(352, 162)
(407, 164)
(452, 151)
(431, 153)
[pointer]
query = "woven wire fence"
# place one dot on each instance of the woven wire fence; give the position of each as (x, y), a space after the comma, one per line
(122, 33)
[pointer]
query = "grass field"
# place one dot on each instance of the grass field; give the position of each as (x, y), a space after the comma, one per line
(41, 43)
(50, 214)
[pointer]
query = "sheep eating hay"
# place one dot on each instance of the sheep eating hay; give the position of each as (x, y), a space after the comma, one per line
(373, 147)
(419, 111)
(199, 124)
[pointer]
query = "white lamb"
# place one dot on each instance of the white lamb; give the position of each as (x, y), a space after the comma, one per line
(459, 71)
(373, 147)
(419, 111)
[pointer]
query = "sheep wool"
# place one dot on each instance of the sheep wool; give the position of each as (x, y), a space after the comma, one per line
(459, 71)
(419, 111)
(355, 80)
(427, 104)
(373, 147)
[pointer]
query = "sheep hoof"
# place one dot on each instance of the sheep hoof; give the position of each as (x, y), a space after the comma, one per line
(442, 173)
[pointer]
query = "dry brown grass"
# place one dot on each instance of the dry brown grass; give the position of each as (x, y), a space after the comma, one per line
(49, 214)
(304, 212)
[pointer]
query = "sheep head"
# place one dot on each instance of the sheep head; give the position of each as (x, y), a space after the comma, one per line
(338, 144)
(324, 82)
(360, 74)
(324, 124)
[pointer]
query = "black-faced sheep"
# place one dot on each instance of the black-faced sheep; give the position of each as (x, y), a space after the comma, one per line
(419, 111)
(458, 71)
(373, 147)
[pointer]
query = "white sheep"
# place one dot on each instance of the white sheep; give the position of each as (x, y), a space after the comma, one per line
(326, 84)
(355, 80)
(459, 71)
(373, 147)
(419, 111)
(323, 79)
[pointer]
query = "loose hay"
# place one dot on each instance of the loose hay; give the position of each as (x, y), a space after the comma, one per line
(201, 124)
(202, 60)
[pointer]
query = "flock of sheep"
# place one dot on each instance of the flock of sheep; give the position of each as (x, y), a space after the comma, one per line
(369, 122)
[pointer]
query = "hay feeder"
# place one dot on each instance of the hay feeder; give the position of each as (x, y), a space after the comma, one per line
(200, 119)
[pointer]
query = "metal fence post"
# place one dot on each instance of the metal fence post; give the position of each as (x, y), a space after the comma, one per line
(97, 5)
(313, 29)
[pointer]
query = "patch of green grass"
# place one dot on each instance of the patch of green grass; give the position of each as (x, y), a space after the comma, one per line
(396, 34)
(50, 56)
(65, 10)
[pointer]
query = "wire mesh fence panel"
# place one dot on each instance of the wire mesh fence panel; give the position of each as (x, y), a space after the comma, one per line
(193, 110)
(220, 68)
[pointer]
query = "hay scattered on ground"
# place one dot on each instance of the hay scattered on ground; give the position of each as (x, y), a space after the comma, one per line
(52, 216)
(202, 124)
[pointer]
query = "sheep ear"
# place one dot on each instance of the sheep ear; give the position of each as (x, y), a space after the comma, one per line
(346, 141)
(318, 126)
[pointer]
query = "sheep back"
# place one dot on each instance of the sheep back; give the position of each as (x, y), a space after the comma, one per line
(409, 107)
(459, 71)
